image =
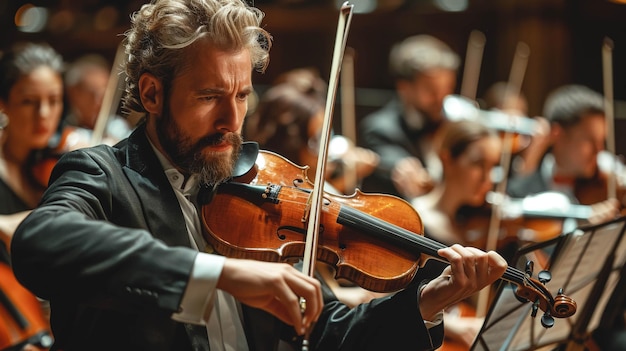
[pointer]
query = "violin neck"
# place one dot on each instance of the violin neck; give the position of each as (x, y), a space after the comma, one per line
(389, 233)
(406, 239)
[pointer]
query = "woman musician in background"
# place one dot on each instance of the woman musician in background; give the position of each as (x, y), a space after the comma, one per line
(469, 152)
(31, 99)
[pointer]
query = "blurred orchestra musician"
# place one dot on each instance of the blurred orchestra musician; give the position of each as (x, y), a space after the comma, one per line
(31, 98)
(86, 81)
(469, 152)
(570, 166)
(403, 132)
(288, 120)
(31, 104)
(525, 161)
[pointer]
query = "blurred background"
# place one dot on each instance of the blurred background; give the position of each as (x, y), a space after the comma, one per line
(565, 38)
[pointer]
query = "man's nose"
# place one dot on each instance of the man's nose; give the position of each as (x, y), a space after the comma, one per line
(230, 116)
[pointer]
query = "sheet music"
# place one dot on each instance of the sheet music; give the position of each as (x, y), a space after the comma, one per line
(577, 260)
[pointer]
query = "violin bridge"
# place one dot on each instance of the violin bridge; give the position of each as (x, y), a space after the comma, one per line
(307, 210)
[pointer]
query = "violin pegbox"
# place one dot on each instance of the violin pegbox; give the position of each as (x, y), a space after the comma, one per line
(535, 292)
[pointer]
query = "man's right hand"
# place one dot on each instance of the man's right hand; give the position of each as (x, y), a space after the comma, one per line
(275, 288)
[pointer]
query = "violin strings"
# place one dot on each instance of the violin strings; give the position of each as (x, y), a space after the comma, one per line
(391, 231)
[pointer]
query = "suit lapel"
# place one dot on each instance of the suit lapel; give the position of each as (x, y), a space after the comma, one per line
(165, 218)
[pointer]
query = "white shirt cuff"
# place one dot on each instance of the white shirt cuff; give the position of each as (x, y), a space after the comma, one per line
(197, 302)
(435, 322)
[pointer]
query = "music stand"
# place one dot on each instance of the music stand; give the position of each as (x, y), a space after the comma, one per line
(585, 263)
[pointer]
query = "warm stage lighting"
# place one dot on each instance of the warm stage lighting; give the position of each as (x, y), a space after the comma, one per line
(452, 5)
(30, 18)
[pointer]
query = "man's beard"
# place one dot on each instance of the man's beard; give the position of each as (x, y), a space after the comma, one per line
(212, 167)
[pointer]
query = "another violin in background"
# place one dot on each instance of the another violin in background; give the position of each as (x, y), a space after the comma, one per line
(42, 161)
(532, 219)
(23, 321)
(595, 189)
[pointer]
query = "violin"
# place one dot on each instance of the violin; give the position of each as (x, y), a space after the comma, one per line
(41, 162)
(596, 189)
(535, 218)
(373, 240)
(22, 319)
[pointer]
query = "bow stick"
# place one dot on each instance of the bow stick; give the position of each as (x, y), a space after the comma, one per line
(313, 212)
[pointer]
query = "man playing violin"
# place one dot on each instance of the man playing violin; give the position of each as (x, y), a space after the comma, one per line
(404, 132)
(577, 136)
(116, 243)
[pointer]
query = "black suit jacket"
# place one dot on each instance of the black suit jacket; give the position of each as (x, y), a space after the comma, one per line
(109, 248)
(386, 133)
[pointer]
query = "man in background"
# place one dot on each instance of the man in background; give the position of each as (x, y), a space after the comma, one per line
(403, 132)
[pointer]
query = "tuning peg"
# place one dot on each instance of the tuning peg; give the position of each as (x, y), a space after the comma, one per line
(544, 277)
(530, 266)
(547, 321)
(534, 309)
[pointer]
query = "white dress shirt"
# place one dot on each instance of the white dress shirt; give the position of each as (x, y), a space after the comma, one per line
(202, 302)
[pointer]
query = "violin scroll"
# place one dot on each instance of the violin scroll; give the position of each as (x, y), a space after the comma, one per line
(533, 290)
(564, 306)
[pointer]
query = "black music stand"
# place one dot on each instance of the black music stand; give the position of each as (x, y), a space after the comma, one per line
(586, 264)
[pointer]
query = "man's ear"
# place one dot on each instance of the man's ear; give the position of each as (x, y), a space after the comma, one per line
(4, 119)
(151, 93)
(556, 131)
(445, 157)
(402, 88)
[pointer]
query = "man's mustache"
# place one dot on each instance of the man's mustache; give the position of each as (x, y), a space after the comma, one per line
(218, 138)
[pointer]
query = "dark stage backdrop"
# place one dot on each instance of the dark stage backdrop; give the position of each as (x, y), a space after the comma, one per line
(564, 37)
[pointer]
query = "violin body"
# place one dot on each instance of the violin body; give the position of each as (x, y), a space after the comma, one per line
(272, 226)
(42, 162)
